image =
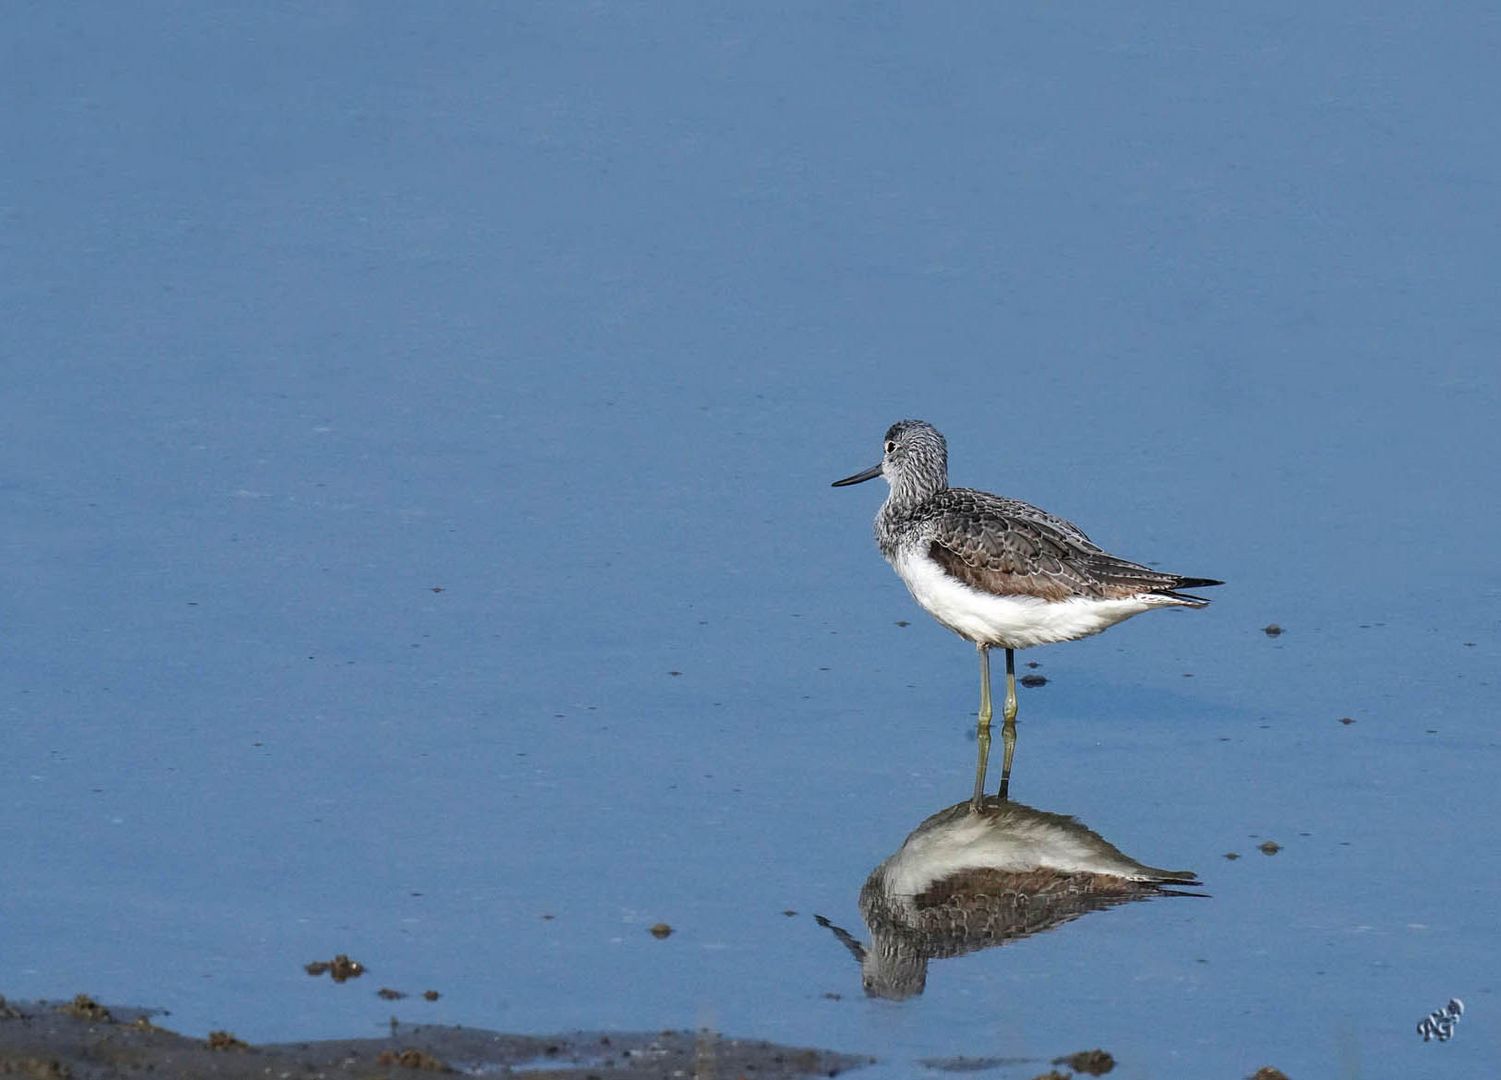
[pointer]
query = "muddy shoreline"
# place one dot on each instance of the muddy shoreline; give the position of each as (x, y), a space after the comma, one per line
(84, 1040)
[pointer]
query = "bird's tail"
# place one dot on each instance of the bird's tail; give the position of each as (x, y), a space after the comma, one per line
(1195, 583)
(1186, 599)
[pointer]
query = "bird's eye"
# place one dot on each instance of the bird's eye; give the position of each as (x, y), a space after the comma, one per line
(890, 446)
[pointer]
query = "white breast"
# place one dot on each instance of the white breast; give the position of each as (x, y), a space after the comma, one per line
(1012, 622)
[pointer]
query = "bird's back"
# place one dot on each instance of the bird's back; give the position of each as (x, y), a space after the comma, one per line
(1006, 546)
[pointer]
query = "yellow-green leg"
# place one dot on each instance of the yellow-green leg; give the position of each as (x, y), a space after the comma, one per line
(1008, 729)
(982, 731)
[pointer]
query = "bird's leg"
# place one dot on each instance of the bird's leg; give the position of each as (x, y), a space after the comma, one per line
(1008, 729)
(982, 731)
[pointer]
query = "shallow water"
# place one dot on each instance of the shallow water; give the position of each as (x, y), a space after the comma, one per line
(573, 313)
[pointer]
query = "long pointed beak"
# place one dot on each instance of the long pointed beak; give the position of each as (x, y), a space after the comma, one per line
(857, 950)
(860, 477)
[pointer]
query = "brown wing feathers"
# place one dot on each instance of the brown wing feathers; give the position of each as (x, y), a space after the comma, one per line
(1012, 556)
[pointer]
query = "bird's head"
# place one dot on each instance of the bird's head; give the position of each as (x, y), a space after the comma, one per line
(914, 460)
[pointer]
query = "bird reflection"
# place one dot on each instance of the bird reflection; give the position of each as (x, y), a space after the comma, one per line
(968, 879)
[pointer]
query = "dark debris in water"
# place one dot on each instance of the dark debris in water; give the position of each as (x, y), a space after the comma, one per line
(385, 993)
(340, 968)
(1347, 720)
(1093, 1062)
(1272, 630)
(1266, 1072)
(1232, 855)
(1269, 847)
(963, 1063)
(660, 930)
(1033, 680)
(55, 1041)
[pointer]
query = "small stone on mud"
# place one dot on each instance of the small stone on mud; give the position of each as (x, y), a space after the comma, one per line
(1269, 847)
(86, 1008)
(411, 1059)
(223, 1040)
(1271, 630)
(1033, 680)
(35, 1068)
(1266, 1072)
(660, 930)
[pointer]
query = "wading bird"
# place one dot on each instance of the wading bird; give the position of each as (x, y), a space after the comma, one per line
(1001, 572)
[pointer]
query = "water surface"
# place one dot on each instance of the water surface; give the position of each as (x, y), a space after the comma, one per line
(420, 425)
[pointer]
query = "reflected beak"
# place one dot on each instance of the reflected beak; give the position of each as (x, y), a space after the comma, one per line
(860, 477)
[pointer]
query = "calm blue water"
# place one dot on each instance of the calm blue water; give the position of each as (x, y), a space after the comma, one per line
(573, 311)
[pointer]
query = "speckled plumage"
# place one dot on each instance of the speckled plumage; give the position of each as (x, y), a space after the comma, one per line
(994, 569)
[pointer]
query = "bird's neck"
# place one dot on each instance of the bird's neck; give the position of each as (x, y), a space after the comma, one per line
(910, 491)
(902, 501)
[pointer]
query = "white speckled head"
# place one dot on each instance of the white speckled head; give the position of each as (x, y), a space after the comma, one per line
(914, 461)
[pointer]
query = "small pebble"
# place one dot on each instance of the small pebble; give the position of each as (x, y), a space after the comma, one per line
(660, 930)
(1271, 630)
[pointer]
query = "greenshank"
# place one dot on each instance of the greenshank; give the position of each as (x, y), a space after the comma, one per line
(1000, 572)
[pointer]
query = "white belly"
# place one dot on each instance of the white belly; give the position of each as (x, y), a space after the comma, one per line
(1012, 622)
